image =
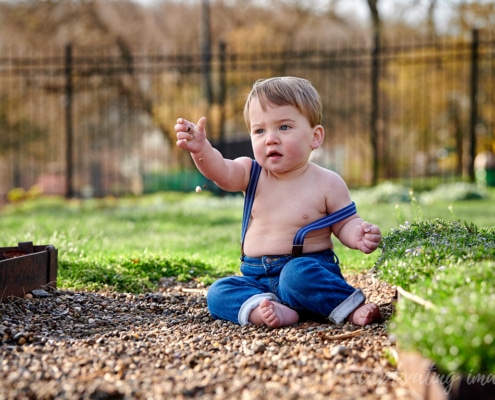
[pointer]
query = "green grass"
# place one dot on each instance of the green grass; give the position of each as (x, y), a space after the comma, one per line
(128, 244)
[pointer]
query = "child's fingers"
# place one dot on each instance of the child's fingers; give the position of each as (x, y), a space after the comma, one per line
(182, 143)
(201, 123)
(182, 135)
(190, 135)
(370, 228)
(372, 240)
(183, 125)
(366, 227)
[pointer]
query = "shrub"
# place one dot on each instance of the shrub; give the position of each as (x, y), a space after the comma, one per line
(454, 192)
(386, 192)
(450, 265)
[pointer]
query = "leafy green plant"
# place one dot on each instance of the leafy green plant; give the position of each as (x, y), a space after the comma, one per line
(449, 265)
(415, 251)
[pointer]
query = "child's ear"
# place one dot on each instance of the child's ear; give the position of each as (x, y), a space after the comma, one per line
(318, 136)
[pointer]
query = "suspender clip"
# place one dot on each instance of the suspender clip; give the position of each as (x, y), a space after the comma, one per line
(297, 250)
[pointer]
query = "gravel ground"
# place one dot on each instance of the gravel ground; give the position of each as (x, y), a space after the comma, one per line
(83, 345)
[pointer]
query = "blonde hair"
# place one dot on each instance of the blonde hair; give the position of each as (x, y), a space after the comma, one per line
(283, 91)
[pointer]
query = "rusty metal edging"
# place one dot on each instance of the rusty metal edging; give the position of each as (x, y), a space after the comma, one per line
(25, 268)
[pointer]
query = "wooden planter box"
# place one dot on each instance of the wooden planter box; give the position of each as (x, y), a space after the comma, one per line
(25, 268)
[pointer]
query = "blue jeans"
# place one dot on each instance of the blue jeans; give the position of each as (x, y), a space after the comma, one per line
(312, 283)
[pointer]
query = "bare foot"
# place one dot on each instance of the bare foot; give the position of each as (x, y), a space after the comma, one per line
(273, 314)
(365, 314)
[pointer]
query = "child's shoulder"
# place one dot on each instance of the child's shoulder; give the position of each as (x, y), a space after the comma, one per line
(323, 172)
(328, 181)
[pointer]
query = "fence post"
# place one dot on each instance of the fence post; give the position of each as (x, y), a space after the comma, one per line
(69, 89)
(206, 52)
(473, 120)
(222, 90)
(375, 106)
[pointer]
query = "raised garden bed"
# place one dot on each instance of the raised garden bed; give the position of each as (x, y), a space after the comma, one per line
(25, 268)
(444, 319)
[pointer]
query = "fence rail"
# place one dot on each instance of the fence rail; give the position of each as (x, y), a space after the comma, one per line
(93, 121)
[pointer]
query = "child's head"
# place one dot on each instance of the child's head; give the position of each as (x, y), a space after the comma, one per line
(283, 91)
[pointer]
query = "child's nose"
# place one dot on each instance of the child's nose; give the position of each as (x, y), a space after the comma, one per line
(272, 137)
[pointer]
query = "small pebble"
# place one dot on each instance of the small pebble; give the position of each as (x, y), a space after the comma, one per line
(340, 351)
(40, 293)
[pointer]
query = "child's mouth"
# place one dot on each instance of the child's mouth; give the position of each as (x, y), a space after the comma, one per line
(274, 154)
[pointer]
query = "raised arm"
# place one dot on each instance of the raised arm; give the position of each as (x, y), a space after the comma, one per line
(230, 175)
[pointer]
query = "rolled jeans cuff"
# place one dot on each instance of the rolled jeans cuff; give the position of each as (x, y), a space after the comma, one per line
(250, 304)
(342, 311)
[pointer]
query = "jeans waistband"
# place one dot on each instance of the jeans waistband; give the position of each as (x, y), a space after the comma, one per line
(283, 258)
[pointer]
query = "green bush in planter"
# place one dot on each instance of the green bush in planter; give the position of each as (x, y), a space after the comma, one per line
(450, 265)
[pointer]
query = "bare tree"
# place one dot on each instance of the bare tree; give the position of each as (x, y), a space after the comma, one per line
(375, 76)
(376, 21)
(430, 19)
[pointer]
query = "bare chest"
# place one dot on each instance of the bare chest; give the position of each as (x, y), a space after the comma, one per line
(288, 204)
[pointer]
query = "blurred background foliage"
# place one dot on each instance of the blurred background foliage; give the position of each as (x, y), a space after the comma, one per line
(90, 90)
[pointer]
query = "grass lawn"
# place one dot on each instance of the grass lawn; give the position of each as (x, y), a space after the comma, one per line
(128, 244)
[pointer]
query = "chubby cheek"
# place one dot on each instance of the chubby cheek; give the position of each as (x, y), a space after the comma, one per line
(258, 149)
(296, 150)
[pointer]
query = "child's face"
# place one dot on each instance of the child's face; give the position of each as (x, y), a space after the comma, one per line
(282, 137)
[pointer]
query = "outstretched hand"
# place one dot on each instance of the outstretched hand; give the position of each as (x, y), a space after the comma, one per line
(368, 237)
(190, 136)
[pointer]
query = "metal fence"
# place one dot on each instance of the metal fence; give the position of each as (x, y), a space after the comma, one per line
(99, 121)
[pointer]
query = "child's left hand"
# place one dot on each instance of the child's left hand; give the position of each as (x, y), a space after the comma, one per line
(368, 237)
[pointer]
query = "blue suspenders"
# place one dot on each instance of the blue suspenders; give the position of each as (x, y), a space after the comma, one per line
(249, 199)
(297, 244)
(327, 220)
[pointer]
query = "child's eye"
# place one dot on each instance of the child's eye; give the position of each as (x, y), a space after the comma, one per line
(284, 127)
(259, 131)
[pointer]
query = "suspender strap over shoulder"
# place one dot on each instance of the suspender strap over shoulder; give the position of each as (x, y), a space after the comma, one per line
(249, 198)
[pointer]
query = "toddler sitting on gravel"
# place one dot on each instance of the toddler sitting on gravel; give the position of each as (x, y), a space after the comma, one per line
(291, 209)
